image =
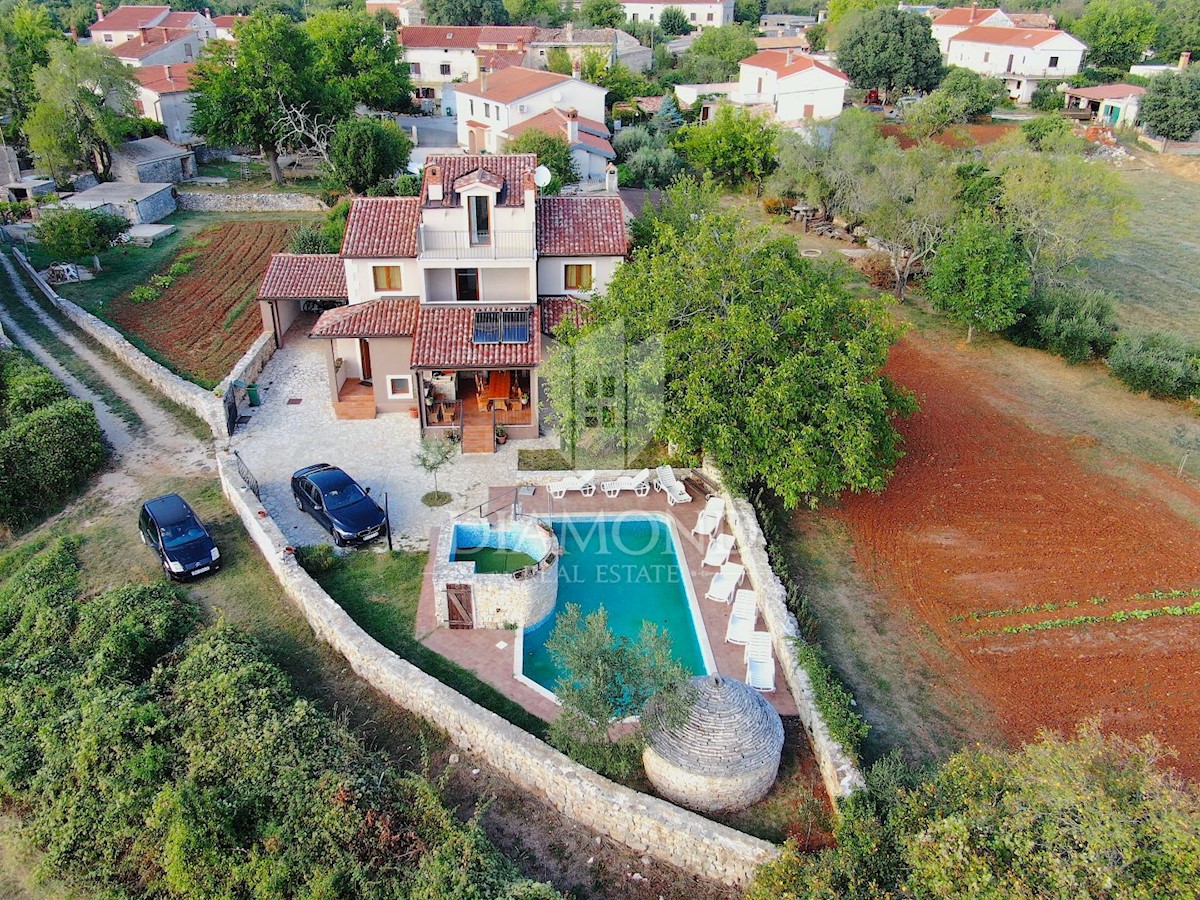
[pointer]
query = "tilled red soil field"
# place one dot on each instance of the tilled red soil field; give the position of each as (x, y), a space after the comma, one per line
(986, 514)
(192, 324)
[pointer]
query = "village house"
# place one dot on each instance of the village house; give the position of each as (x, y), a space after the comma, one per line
(408, 12)
(152, 160)
(619, 46)
(128, 28)
(951, 22)
(1021, 57)
(1107, 104)
(498, 106)
(164, 94)
(448, 295)
(700, 14)
(225, 26)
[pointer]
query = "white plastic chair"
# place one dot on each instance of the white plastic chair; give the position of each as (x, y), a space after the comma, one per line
(760, 662)
(723, 583)
(718, 551)
(585, 483)
(665, 480)
(639, 484)
(741, 620)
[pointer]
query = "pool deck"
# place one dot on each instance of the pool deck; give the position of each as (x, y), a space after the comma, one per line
(479, 650)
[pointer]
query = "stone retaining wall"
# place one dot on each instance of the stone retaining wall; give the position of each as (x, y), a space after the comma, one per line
(250, 366)
(202, 201)
(179, 390)
(644, 824)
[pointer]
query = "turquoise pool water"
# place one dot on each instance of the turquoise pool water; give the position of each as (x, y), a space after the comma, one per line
(628, 565)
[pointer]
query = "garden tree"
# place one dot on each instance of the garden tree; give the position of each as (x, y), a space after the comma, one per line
(769, 366)
(607, 679)
(387, 20)
(26, 33)
(978, 277)
(817, 36)
(668, 117)
(735, 146)
(1171, 105)
(654, 167)
(310, 239)
(977, 95)
(979, 186)
(840, 10)
(536, 12)
(749, 11)
(908, 203)
(552, 151)
(674, 21)
(1178, 29)
(83, 93)
(1095, 816)
(603, 13)
(364, 152)
(558, 59)
(433, 455)
(355, 56)
(240, 91)
(68, 233)
(715, 54)
(1046, 97)
(892, 51)
(932, 115)
(1062, 208)
(830, 173)
(1046, 132)
(1117, 32)
(466, 12)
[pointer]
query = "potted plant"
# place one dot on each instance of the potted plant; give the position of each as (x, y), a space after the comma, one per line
(524, 399)
(501, 434)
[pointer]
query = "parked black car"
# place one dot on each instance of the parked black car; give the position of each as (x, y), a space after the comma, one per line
(335, 500)
(178, 537)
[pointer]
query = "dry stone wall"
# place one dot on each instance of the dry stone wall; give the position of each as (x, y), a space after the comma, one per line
(644, 824)
(202, 201)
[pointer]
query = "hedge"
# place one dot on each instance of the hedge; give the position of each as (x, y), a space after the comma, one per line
(1158, 362)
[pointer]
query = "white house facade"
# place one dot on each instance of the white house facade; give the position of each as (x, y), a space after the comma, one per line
(408, 12)
(1021, 57)
(792, 87)
(951, 22)
(700, 15)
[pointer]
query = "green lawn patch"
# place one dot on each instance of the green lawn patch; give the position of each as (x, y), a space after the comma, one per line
(252, 178)
(532, 460)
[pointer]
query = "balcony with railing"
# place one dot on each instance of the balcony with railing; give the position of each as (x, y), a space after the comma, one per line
(455, 245)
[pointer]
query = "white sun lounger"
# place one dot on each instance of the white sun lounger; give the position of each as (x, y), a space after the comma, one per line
(760, 662)
(723, 583)
(718, 551)
(741, 620)
(639, 484)
(665, 480)
(585, 483)
(708, 523)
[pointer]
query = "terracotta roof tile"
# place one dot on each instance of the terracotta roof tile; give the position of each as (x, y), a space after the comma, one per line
(445, 340)
(155, 39)
(178, 19)
(511, 167)
(556, 118)
(581, 226)
(385, 317)
(462, 37)
(556, 310)
(512, 84)
(1032, 20)
(594, 36)
(649, 104)
(130, 18)
(965, 15)
(506, 34)
(1106, 91)
(482, 175)
(1008, 37)
(304, 276)
(777, 61)
(154, 78)
(496, 60)
(228, 21)
(382, 227)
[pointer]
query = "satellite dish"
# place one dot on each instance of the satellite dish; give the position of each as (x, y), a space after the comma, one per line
(542, 176)
(556, 96)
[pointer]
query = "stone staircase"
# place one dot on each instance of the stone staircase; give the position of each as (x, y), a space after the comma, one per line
(478, 438)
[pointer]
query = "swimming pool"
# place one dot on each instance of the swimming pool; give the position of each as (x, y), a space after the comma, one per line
(630, 565)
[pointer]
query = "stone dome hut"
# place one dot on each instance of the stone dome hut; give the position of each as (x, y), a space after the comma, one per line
(724, 756)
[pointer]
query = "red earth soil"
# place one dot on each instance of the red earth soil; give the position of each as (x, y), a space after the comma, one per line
(984, 513)
(957, 136)
(189, 325)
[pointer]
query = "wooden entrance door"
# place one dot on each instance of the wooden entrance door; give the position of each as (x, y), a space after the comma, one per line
(364, 353)
(460, 606)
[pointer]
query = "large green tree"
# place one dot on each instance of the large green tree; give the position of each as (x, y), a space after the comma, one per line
(892, 51)
(769, 366)
(1178, 29)
(364, 152)
(68, 234)
(536, 12)
(466, 12)
(356, 57)
(1171, 105)
(841, 11)
(242, 91)
(674, 21)
(715, 54)
(26, 33)
(735, 146)
(978, 277)
(1117, 32)
(603, 13)
(84, 95)
(552, 151)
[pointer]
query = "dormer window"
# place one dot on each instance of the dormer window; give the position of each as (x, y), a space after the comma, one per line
(480, 215)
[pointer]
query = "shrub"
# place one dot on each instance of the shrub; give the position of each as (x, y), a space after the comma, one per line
(179, 268)
(1158, 362)
(25, 386)
(162, 282)
(144, 293)
(308, 239)
(408, 186)
(845, 725)
(629, 141)
(317, 559)
(386, 188)
(775, 206)
(653, 167)
(1043, 131)
(1077, 324)
(1046, 97)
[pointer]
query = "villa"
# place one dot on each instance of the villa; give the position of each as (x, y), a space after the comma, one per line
(439, 302)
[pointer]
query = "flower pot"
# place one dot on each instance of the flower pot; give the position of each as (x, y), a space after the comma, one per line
(414, 413)
(502, 439)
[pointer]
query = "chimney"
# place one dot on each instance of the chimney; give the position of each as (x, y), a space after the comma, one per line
(207, 13)
(575, 68)
(610, 177)
(572, 125)
(433, 182)
(143, 29)
(791, 55)
(483, 73)
(164, 34)
(74, 33)
(99, 12)
(569, 34)
(1185, 59)
(974, 9)
(529, 187)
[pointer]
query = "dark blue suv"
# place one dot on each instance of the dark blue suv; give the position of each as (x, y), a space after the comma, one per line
(335, 500)
(178, 537)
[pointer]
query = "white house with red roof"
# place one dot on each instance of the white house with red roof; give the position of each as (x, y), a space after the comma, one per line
(700, 14)
(440, 54)
(792, 87)
(447, 295)
(128, 28)
(164, 94)
(950, 22)
(1109, 104)
(1020, 56)
(498, 106)
(226, 24)
(408, 12)
(160, 45)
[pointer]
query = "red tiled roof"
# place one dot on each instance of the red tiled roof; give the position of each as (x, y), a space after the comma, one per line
(506, 34)
(154, 78)
(129, 18)
(228, 21)
(483, 176)
(154, 39)
(495, 60)
(511, 167)
(512, 84)
(304, 276)
(777, 62)
(1008, 37)
(178, 19)
(462, 37)
(1032, 20)
(649, 104)
(964, 15)
(556, 310)
(382, 318)
(1106, 91)
(382, 227)
(553, 118)
(445, 340)
(598, 145)
(581, 226)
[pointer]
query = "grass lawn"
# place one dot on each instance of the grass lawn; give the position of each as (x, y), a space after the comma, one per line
(380, 591)
(532, 460)
(253, 178)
